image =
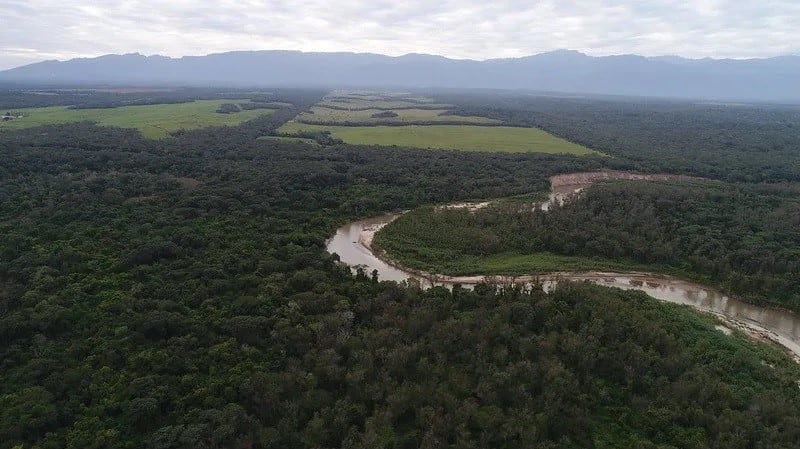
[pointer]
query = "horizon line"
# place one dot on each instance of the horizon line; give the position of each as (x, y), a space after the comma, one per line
(560, 50)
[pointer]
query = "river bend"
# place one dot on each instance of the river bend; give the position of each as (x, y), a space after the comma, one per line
(352, 242)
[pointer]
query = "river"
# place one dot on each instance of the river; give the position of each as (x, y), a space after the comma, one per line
(352, 242)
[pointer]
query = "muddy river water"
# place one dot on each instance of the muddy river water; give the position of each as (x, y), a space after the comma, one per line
(352, 242)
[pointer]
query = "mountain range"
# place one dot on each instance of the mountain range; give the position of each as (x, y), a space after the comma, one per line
(774, 79)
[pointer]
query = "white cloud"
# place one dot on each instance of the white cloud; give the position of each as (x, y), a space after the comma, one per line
(35, 30)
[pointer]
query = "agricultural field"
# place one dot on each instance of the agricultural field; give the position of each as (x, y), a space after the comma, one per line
(450, 137)
(419, 122)
(356, 104)
(326, 115)
(153, 121)
(384, 101)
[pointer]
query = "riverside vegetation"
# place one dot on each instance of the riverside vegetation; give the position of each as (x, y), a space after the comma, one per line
(175, 293)
(742, 238)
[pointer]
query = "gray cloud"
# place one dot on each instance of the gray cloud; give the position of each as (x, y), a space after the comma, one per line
(35, 30)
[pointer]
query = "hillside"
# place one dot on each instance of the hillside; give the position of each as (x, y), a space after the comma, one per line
(771, 79)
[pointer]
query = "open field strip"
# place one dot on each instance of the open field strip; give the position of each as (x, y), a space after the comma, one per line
(358, 104)
(154, 121)
(452, 137)
(326, 115)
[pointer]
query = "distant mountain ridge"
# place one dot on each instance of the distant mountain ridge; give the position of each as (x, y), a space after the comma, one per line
(769, 79)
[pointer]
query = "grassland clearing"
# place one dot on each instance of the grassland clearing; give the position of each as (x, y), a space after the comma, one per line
(327, 115)
(153, 121)
(271, 104)
(455, 263)
(366, 95)
(452, 137)
(360, 104)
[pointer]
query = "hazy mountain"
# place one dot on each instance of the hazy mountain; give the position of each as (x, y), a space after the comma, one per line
(771, 79)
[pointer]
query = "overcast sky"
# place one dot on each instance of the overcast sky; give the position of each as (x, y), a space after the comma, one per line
(35, 30)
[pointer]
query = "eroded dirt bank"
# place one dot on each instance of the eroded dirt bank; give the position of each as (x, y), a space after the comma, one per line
(587, 178)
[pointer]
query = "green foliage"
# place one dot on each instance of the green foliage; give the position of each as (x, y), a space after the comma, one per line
(289, 139)
(385, 114)
(743, 238)
(228, 108)
(328, 116)
(452, 137)
(176, 294)
(735, 143)
(154, 121)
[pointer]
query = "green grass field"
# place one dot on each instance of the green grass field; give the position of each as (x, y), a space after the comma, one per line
(154, 121)
(327, 115)
(544, 262)
(451, 137)
(405, 246)
(345, 96)
(456, 264)
(358, 104)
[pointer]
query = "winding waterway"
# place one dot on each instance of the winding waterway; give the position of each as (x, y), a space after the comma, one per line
(352, 242)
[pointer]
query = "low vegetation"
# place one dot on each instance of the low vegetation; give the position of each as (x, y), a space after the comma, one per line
(451, 137)
(362, 104)
(736, 143)
(327, 116)
(356, 118)
(153, 121)
(742, 238)
(228, 108)
(353, 101)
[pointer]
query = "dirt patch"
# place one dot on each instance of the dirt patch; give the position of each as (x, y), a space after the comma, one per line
(472, 207)
(141, 199)
(188, 183)
(586, 178)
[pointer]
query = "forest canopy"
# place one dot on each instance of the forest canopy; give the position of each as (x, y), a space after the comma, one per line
(176, 293)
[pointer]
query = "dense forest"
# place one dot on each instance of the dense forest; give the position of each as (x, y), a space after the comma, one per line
(743, 238)
(175, 293)
(732, 142)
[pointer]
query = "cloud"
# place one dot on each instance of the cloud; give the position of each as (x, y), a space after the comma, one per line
(35, 30)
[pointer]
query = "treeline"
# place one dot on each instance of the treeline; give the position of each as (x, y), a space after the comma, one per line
(750, 143)
(742, 238)
(368, 106)
(389, 122)
(109, 98)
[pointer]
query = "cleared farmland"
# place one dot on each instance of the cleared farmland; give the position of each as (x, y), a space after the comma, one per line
(453, 137)
(360, 104)
(327, 115)
(154, 121)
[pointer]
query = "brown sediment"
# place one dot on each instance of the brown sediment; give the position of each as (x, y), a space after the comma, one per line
(188, 183)
(761, 323)
(470, 206)
(588, 178)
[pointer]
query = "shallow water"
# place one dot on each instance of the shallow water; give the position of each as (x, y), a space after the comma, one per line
(351, 242)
